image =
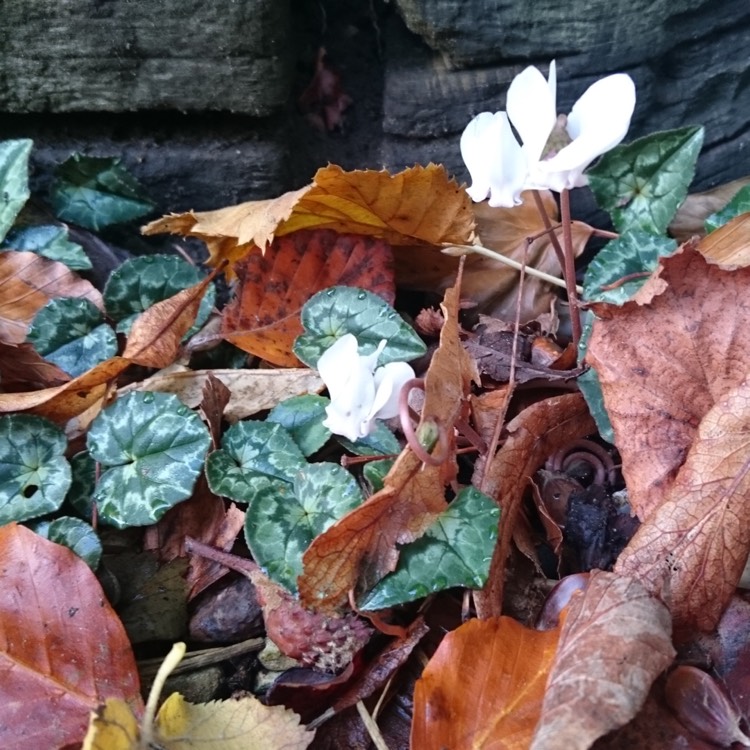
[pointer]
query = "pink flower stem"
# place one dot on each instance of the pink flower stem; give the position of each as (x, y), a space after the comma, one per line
(548, 228)
(570, 267)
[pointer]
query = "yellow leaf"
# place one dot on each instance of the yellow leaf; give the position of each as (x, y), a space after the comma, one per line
(113, 727)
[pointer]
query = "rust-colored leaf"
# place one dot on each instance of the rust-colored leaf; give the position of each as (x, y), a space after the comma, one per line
(263, 318)
(729, 245)
(361, 548)
(419, 204)
(615, 642)
(665, 363)
(699, 537)
(534, 435)
(214, 400)
(62, 648)
(22, 366)
(156, 334)
(27, 283)
(484, 687)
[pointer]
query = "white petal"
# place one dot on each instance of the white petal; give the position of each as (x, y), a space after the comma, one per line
(349, 411)
(389, 380)
(508, 172)
(341, 424)
(479, 140)
(336, 363)
(531, 106)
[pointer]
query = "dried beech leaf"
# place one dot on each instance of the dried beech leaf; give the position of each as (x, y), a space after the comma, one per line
(418, 204)
(264, 316)
(358, 550)
(28, 282)
(665, 364)
(22, 366)
(729, 245)
(615, 642)
(699, 538)
(483, 688)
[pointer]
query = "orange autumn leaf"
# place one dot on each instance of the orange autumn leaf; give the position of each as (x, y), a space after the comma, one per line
(419, 204)
(729, 245)
(358, 550)
(27, 283)
(484, 687)
(264, 316)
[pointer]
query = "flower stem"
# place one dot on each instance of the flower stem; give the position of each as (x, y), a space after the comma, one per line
(570, 267)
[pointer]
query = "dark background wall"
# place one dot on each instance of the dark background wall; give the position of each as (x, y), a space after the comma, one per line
(204, 101)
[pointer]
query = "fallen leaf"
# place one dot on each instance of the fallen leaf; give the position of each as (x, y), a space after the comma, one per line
(361, 548)
(663, 365)
(729, 245)
(21, 365)
(27, 283)
(615, 642)
(251, 391)
(699, 537)
(535, 434)
(264, 316)
(324, 100)
(64, 651)
(484, 686)
(419, 204)
(214, 400)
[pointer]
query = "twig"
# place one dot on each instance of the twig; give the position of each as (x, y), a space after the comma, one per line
(570, 267)
(372, 727)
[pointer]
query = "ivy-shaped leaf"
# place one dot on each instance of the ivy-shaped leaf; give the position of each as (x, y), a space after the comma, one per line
(34, 474)
(151, 449)
(624, 264)
(141, 282)
(83, 484)
(253, 457)
(96, 192)
(71, 333)
(50, 241)
(590, 386)
(330, 314)
(643, 183)
(281, 525)
(74, 534)
(302, 417)
(455, 551)
(380, 442)
(740, 204)
(14, 180)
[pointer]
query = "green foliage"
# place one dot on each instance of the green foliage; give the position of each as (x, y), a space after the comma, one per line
(151, 449)
(50, 241)
(334, 312)
(96, 192)
(632, 254)
(455, 551)
(74, 534)
(302, 417)
(643, 183)
(34, 474)
(590, 386)
(380, 442)
(141, 282)
(740, 204)
(14, 180)
(282, 522)
(82, 487)
(71, 333)
(253, 457)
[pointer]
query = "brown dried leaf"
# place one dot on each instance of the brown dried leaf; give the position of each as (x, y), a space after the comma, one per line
(483, 688)
(214, 400)
(615, 642)
(729, 245)
(664, 365)
(360, 548)
(418, 204)
(22, 366)
(699, 537)
(27, 283)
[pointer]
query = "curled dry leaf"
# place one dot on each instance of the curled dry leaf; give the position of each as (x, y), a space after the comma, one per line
(264, 316)
(22, 366)
(729, 245)
(28, 282)
(699, 537)
(360, 548)
(484, 686)
(664, 364)
(419, 204)
(615, 642)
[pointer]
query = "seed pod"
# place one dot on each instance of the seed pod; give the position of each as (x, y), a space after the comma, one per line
(701, 705)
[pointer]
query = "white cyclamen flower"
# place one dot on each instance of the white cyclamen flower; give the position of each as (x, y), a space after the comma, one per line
(360, 391)
(556, 149)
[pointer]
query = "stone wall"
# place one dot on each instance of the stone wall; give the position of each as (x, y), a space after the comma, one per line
(202, 100)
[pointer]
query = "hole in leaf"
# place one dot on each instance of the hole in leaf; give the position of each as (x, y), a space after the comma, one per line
(30, 490)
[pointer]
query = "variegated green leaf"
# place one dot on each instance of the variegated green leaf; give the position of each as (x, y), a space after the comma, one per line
(141, 282)
(331, 313)
(380, 442)
(302, 417)
(34, 474)
(740, 204)
(14, 180)
(82, 487)
(74, 534)
(151, 449)
(71, 333)
(50, 241)
(253, 457)
(455, 551)
(281, 525)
